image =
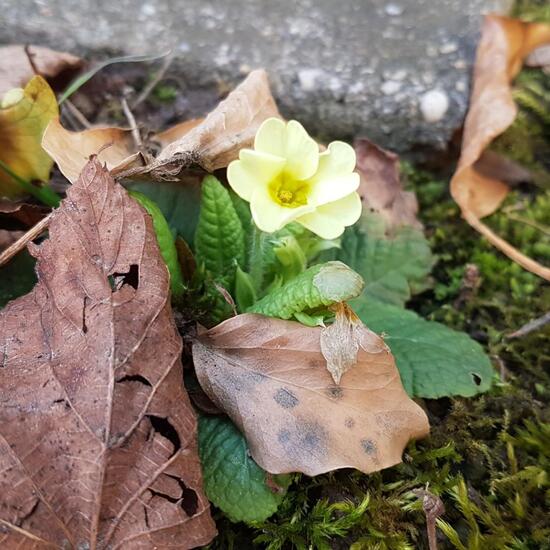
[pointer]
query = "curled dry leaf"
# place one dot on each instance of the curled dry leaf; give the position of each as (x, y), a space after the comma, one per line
(504, 44)
(16, 65)
(25, 213)
(340, 341)
(71, 150)
(270, 376)
(381, 188)
(9, 237)
(97, 436)
(21, 128)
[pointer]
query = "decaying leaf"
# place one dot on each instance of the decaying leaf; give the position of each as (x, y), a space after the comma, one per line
(381, 188)
(21, 128)
(23, 212)
(340, 341)
(97, 436)
(504, 45)
(270, 376)
(231, 126)
(16, 65)
(8, 237)
(71, 150)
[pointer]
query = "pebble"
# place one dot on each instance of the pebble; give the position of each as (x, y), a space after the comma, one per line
(308, 78)
(393, 10)
(390, 87)
(433, 105)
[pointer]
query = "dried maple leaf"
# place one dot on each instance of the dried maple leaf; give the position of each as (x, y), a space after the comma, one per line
(71, 150)
(97, 435)
(504, 44)
(18, 64)
(381, 188)
(21, 128)
(271, 378)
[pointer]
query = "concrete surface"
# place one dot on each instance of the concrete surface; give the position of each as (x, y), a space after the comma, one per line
(394, 70)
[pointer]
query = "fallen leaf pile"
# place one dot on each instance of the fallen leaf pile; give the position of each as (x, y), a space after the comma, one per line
(271, 378)
(210, 144)
(504, 45)
(97, 436)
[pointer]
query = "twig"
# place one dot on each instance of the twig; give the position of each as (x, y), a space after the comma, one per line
(133, 126)
(531, 326)
(542, 228)
(77, 114)
(30, 235)
(152, 84)
(433, 508)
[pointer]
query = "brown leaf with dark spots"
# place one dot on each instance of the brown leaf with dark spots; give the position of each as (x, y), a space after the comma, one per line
(504, 45)
(97, 436)
(381, 189)
(18, 64)
(271, 378)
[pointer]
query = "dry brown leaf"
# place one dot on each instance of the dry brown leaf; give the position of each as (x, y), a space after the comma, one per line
(97, 435)
(271, 378)
(340, 341)
(71, 150)
(23, 212)
(176, 132)
(504, 45)
(381, 188)
(217, 140)
(16, 69)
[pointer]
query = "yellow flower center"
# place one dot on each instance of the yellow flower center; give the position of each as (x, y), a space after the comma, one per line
(288, 192)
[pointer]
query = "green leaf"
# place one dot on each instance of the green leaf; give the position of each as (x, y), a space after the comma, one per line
(232, 480)
(165, 240)
(245, 294)
(17, 277)
(433, 360)
(219, 239)
(393, 267)
(320, 285)
(179, 202)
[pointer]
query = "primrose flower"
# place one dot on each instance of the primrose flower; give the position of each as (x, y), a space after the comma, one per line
(285, 178)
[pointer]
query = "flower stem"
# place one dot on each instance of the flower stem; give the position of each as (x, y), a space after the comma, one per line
(256, 257)
(44, 193)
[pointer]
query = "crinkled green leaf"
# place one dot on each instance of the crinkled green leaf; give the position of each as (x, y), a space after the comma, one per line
(179, 202)
(232, 480)
(17, 277)
(219, 239)
(393, 267)
(433, 360)
(320, 285)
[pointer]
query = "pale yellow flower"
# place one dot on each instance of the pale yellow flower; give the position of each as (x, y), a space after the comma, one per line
(285, 178)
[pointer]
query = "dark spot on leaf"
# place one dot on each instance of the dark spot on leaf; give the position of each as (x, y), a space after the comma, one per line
(368, 446)
(283, 436)
(165, 428)
(349, 423)
(135, 378)
(285, 398)
(335, 392)
(84, 326)
(476, 378)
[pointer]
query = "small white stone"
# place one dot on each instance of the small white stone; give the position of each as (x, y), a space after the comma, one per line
(433, 105)
(148, 10)
(308, 78)
(449, 47)
(461, 86)
(393, 10)
(390, 87)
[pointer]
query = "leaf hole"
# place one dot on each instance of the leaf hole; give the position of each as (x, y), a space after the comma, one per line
(165, 429)
(135, 378)
(189, 501)
(476, 378)
(131, 278)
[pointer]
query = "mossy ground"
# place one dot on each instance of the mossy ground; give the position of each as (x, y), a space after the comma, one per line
(487, 457)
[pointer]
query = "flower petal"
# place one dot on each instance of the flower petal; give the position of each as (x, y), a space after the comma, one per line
(301, 152)
(291, 142)
(270, 216)
(338, 159)
(252, 170)
(330, 220)
(271, 137)
(333, 188)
